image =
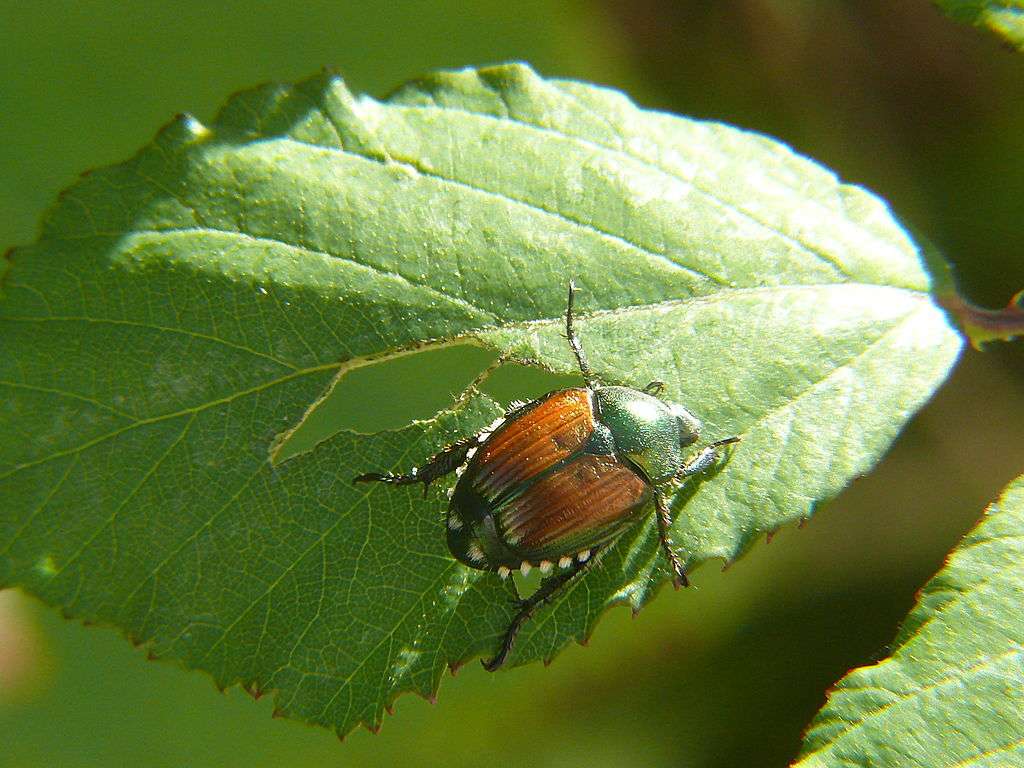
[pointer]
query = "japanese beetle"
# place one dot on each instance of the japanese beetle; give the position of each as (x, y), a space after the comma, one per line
(556, 479)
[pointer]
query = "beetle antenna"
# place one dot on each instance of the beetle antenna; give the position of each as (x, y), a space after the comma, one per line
(574, 341)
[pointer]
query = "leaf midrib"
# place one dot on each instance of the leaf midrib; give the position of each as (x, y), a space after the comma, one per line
(167, 416)
(601, 147)
(476, 334)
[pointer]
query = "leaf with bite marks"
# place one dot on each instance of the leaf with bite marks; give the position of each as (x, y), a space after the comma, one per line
(181, 311)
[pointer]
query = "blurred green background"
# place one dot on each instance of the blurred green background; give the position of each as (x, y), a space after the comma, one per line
(889, 94)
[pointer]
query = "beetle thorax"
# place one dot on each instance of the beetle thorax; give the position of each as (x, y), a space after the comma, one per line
(646, 431)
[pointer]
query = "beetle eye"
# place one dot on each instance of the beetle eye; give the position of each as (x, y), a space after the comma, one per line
(689, 425)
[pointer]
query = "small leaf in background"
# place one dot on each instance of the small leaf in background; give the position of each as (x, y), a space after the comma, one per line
(181, 312)
(952, 692)
(1003, 17)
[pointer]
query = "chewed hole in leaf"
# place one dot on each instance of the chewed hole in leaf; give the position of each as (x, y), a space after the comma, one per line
(516, 381)
(389, 393)
(408, 242)
(392, 392)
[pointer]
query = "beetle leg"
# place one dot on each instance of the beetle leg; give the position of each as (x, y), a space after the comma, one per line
(514, 407)
(664, 517)
(439, 465)
(574, 341)
(547, 590)
(705, 458)
(654, 388)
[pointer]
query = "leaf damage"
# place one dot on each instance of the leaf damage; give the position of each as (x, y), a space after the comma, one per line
(209, 287)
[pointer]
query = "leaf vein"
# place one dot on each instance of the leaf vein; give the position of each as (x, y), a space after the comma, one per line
(973, 759)
(42, 505)
(958, 675)
(794, 241)
(117, 510)
(165, 416)
(70, 395)
(417, 166)
(148, 326)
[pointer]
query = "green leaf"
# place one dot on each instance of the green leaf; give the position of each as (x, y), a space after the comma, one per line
(180, 313)
(952, 692)
(1003, 17)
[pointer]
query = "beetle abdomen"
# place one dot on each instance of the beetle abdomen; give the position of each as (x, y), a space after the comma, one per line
(579, 505)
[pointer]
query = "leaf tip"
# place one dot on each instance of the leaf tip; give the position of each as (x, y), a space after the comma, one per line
(509, 74)
(254, 690)
(428, 696)
(183, 130)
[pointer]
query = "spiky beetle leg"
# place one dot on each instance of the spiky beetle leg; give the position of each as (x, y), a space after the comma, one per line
(545, 592)
(654, 388)
(705, 458)
(664, 517)
(439, 465)
(699, 463)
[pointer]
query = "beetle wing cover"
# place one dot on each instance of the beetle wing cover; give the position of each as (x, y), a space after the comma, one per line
(551, 431)
(582, 504)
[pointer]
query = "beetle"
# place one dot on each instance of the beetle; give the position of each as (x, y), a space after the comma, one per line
(559, 478)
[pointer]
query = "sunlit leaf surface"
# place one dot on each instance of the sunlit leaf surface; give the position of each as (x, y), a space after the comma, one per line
(952, 692)
(181, 312)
